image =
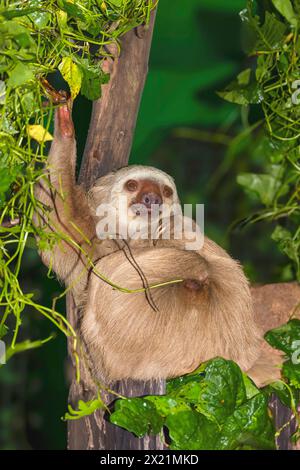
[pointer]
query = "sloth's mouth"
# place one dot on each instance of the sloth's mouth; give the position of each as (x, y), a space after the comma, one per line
(142, 210)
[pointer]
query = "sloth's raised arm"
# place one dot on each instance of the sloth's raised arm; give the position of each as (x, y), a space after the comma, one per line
(69, 214)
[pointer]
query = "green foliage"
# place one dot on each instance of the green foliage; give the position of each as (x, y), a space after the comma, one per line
(217, 406)
(208, 409)
(138, 416)
(39, 38)
(273, 43)
(84, 409)
(287, 339)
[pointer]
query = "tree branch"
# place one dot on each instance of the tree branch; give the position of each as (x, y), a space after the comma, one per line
(114, 115)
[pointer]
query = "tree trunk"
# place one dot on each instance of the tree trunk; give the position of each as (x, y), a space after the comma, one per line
(107, 148)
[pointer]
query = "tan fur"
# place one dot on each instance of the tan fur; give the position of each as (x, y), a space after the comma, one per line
(124, 336)
(134, 341)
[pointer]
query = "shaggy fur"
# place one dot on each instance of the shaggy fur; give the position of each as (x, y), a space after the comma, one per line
(208, 314)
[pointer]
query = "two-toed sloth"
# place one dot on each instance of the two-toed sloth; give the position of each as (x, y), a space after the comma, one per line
(159, 332)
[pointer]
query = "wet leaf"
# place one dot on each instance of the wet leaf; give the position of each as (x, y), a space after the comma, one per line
(138, 416)
(285, 337)
(249, 427)
(190, 430)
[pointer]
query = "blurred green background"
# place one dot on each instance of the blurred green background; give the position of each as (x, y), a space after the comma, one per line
(185, 129)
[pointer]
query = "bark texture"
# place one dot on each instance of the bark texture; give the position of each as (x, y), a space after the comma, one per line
(107, 148)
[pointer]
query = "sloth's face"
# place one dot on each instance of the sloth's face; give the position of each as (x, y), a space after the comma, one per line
(147, 190)
(146, 195)
(134, 197)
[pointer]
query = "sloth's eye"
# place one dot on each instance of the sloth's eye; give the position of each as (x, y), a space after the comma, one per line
(168, 192)
(131, 185)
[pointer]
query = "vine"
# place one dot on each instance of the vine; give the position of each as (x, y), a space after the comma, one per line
(40, 38)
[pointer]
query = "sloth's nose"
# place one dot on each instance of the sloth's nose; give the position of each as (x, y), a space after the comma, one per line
(150, 198)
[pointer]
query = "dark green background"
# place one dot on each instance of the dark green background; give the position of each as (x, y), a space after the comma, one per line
(197, 49)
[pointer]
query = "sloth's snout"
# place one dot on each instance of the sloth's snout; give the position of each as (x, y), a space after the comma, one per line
(147, 199)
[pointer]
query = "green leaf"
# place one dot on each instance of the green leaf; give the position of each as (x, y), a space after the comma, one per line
(268, 36)
(190, 430)
(92, 79)
(287, 244)
(84, 409)
(264, 186)
(3, 331)
(15, 13)
(286, 9)
(242, 91)
(72, 74)
(215, 390)
(7, 177)
(250, 387)
(71, 8)
(137, 415)
(40, 18)
(19, 34)
(249, 427)
(29, 103)
(285, 337)
(215, 407)
(281, 390)
(178, 383)
(19, 75)
(271, 33)
(166, 405)
(291, 371)
(2, 92)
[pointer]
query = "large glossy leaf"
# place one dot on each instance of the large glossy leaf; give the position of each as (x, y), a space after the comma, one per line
(138, 416)
(190, 430)
(285, 337)
(216, 394)
(215, 407)
(249, 426)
